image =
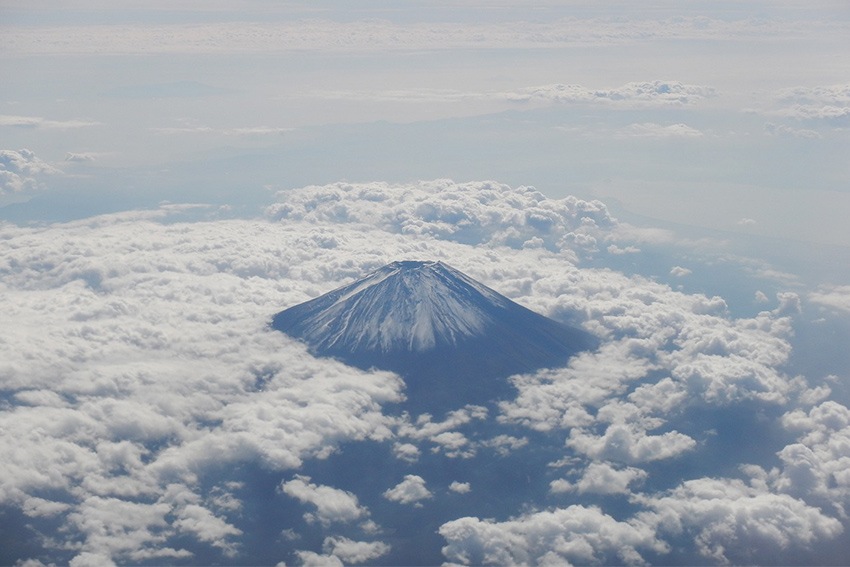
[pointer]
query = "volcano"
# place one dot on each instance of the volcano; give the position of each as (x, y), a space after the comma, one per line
(453, 339)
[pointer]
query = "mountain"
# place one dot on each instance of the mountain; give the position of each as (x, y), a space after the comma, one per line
(451, 338)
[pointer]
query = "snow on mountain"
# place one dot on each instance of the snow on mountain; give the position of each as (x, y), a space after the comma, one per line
(451, 337)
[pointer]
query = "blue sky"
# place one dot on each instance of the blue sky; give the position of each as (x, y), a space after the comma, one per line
(671, 177)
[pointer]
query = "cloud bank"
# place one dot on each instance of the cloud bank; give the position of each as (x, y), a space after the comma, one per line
(138, 374)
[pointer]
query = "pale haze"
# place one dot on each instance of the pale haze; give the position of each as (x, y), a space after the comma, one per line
(673, 179)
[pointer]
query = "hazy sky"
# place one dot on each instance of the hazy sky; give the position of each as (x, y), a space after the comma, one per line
(727, 115)
(672, 177)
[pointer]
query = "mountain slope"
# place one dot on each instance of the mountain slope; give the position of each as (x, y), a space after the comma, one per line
(453, 339)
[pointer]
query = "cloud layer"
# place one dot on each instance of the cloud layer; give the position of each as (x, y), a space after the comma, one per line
(137, 372)
(383, 35)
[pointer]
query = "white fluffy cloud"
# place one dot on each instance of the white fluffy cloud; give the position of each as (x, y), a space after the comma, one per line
(409, 491)
(21, 170)
(331, 504)
(602, 478)
(135, 358)
(817, 467)
(469, 213)
(734, 521)
(352, 552)
(575, 535)
(126, 340)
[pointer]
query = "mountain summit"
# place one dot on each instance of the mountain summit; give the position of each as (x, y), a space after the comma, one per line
(452, 338)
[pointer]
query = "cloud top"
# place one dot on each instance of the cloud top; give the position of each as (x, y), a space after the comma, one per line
(21, 170)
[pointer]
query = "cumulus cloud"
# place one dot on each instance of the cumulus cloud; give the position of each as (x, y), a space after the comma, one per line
(737, 522)
(21, 170)
(444, 435)
(136, 364)
(409, 491)
(575, 535)
(813, 105)
(469, 213)
(115, 404)
(331, 504)
(680, 272)
(630, 444)
(601, 478)
(352, 552)
(815, 468)
(338, 551)
(703, 355)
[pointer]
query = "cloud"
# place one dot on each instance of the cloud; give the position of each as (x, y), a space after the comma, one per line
(369, 35)
(460, 487)
(469, 213)
(832, 296)
(736, 522)
(830, 94)
(313, 559)
(443, 435)
(354, 552)
(784, 130)
(653, 130)
(615, 250)
(574, 535)
(680, 272)
(116, 403)
(604, 478)
(818, 105)
(207, 130)
(409, 491)
(645, 93)
(37, 122)
(331, 504)
(815, 468)
(406, 452)
(21, 170)
(82, 157)
(706, 357)
(648, 92)
(136, 365)
(826, 113)
(630, 444)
